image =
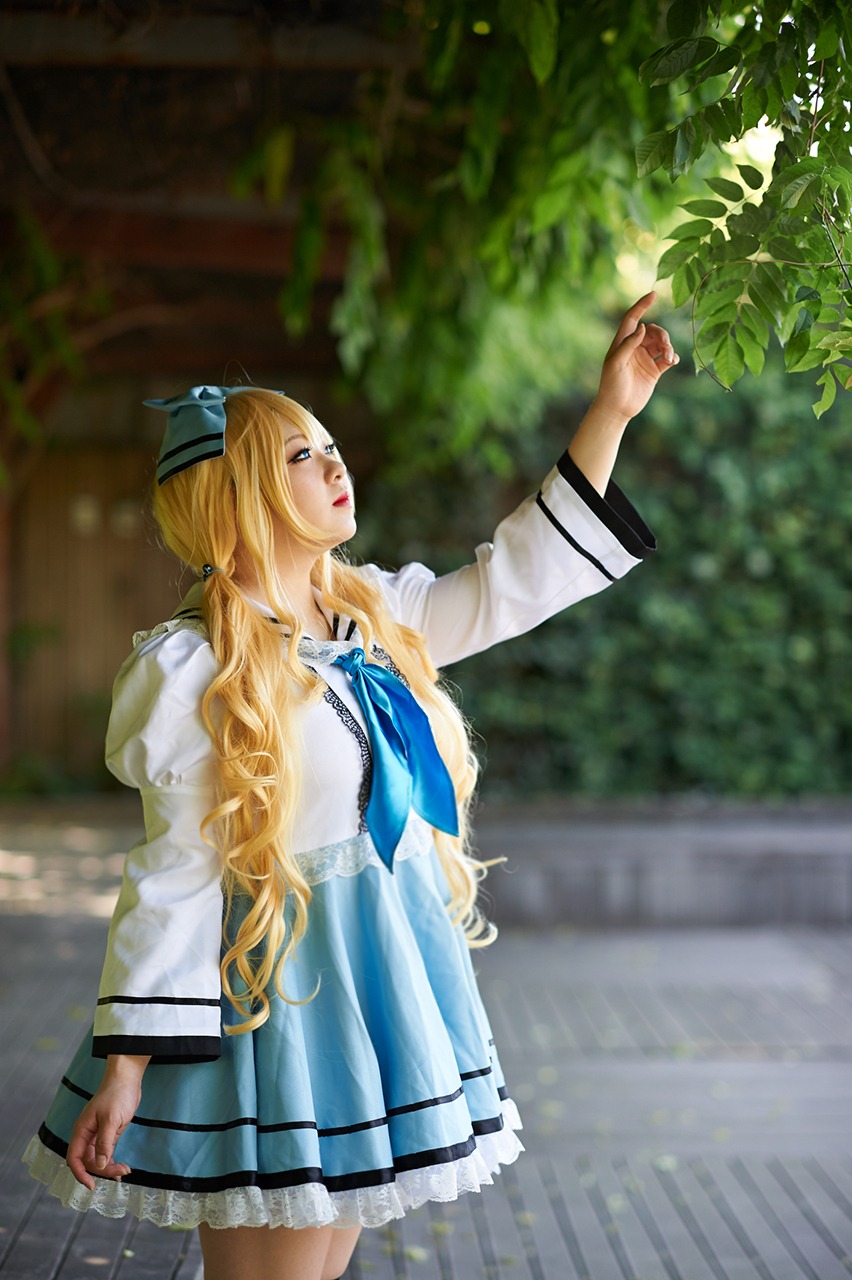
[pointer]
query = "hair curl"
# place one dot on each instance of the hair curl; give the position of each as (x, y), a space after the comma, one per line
(210, 514)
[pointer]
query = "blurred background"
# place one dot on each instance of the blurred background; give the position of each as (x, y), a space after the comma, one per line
(424, 219)
(325, 197)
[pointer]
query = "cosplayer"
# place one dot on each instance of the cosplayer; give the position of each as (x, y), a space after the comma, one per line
(289, 1044)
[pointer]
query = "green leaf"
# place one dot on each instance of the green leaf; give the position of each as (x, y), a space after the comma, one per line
(796, 190)
(826, 400)
(724, 60)
(827, 42)
(728, 362)
(706, 208)
(763, 303)
(772, 282)
(753, 353)
(755, 323)
(294, 303)
(540, 38)
(681, 285)
(696, 229)
(740, 247)
(841, 341)
(717, 302)
(278, 163)
(813, 360)
(753, 103)
(751, 176)
(669, 63)
(788, 74)
(685, 17)
(730, 191)
(796, 349)
(673, 258)
(552, 207)
(652, 152)
(804, 321)
(720, 122)
(442, 51)
(784, 250)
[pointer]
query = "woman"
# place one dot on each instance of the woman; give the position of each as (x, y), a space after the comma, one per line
(320, 1061)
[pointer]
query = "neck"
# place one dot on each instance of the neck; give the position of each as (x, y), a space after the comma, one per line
(294, 573)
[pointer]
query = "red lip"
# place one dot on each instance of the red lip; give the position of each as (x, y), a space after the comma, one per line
(342, 501)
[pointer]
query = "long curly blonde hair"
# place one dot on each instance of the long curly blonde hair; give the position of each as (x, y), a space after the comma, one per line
(214, 513)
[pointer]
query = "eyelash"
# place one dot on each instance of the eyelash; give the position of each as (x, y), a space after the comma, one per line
(304, 454)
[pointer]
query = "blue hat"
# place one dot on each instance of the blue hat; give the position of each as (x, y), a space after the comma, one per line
(195, 429)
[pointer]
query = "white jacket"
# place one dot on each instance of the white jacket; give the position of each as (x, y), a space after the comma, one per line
(160, 988)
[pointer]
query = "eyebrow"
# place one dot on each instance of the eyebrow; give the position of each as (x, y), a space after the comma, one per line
(298, 436)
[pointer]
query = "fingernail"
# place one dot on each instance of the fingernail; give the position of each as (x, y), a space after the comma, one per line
(100, 1162)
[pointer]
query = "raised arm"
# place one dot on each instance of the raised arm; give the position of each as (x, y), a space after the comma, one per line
(573, 538)
(638, 357)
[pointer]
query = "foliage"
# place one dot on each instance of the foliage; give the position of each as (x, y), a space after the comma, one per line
(763, 257)
(720, 664)
(506, 166)
(42, 296)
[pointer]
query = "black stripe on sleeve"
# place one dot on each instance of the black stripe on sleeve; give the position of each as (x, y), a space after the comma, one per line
(158, 1000)
(163, 1050)
(613, 509)
(573, 541)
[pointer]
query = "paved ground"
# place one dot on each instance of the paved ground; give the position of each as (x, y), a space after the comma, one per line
(687, 1095)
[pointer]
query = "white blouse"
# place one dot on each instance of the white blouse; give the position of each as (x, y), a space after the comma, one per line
(160, 987)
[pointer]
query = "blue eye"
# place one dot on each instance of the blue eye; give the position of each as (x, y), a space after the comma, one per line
(301, 455)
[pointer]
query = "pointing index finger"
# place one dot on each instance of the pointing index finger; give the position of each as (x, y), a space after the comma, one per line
(632, 317)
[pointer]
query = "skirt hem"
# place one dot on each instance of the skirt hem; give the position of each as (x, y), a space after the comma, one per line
(307, 1205)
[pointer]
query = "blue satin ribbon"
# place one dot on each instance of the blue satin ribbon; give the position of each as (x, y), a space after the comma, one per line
(408, 772)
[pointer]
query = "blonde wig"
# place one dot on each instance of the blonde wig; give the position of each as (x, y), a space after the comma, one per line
(218, 512)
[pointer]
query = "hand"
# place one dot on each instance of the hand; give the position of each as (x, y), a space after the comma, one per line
(639, 356)
(101, 1123)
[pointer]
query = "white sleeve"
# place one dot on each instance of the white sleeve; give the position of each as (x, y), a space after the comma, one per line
(559, 546)
(160, 987)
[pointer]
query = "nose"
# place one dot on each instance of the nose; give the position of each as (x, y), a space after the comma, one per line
(336, 467)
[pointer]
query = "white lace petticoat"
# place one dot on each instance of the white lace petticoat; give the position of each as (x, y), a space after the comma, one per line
(308, 1205)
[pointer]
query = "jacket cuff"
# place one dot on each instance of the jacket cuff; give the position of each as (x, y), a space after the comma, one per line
(162, 1050)
(168, 1028)
(613, 509)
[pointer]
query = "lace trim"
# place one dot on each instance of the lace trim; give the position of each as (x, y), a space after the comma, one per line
(309, 1205)
(387, 661)
(363, 746)
(191, 622)
(323, 651)
(350, 857)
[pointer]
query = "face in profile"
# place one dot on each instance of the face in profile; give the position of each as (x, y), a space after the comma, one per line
(320, 484)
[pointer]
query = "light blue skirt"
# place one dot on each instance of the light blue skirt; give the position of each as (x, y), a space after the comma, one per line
(382, 1092)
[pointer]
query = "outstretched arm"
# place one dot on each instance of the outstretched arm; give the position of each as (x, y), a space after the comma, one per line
(638, 357)
(104, 1119)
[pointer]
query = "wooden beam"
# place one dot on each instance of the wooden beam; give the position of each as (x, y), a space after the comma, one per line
(193, 40)
(244, 247)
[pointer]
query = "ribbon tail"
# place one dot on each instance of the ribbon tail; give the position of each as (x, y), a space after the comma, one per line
(386, 823)
(433, 794)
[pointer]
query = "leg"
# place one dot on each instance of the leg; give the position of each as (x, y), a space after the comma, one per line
(264, 1253)
(340, 1249)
